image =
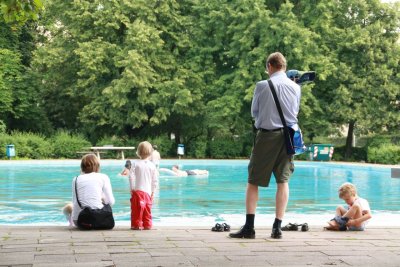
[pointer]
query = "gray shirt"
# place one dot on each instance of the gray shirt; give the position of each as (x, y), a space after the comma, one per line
(263, 108)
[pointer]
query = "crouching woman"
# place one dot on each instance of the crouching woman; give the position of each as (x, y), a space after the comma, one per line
(91, 188)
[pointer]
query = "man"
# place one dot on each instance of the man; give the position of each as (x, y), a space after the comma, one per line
(178, 172)
(269, 151)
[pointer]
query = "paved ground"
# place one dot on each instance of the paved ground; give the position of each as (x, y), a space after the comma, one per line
(60, 246)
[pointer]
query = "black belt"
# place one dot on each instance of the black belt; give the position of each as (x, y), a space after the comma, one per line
(273, 130)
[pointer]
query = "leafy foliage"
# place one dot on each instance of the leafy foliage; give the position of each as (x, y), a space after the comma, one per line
(27, 145)
(19, 11)
(385, 154)
(143, 70)
(66, 145)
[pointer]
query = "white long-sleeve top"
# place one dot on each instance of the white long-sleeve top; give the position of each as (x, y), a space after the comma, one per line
(94, 189)
(143, 176)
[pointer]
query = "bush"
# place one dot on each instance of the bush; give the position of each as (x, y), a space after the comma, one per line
(66, 145)
(165, 145)
(27, 145)
(2, 127)
(5, 140)
(225, 148)
(358, 154)
(378, 140)
(384, 154)
(197, 149)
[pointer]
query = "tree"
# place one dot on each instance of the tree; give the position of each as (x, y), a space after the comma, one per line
(19, 11)
(361, 90)
(118, 66)
(234, 38)
(19, 109)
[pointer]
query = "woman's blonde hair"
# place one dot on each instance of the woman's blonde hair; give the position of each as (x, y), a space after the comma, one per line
(144, 150)
(347, 189)
(90, 163)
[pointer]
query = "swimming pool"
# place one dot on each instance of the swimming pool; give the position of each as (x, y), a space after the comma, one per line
(33, 192)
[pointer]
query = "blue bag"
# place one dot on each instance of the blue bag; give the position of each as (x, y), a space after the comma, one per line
(298, 143)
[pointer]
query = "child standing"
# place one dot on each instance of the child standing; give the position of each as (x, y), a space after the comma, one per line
(355, 216)
(143, 180)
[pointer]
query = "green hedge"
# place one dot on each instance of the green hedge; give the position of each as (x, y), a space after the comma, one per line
(197, 149)
(378, 149)
(384, 154)
(165, 145)
(358, 154)
(27, 145)
(225, 148)
(66, 145)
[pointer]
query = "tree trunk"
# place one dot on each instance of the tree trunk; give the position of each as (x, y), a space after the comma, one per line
(349, 140)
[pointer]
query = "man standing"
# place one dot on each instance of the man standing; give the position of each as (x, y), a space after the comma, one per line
(269, 151)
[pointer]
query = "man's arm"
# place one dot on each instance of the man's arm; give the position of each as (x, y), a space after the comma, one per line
(254, 104)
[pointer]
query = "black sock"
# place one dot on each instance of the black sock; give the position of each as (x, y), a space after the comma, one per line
(277, 223)
(249, 221)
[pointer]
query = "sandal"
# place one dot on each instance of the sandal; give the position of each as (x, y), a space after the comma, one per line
(217, 228)
(304, 227)
(227, 227)
(290, 227)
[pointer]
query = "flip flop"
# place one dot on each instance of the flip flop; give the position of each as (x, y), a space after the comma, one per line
(290, 227)
(217, 228)
(227, 227)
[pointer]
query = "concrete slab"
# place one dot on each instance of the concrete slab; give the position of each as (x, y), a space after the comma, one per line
(44, 246)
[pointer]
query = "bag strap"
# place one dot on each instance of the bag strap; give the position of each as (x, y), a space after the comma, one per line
(76, 192)
(278, 106)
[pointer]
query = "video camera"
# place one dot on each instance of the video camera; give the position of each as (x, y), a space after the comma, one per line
(301, 77)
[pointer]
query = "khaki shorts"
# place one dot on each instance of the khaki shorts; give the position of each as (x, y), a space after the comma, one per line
(269, 156)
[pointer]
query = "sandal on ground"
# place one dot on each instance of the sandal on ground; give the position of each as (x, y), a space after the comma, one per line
(304, 227)
(290, 227)
(227, 227)
(217, 228)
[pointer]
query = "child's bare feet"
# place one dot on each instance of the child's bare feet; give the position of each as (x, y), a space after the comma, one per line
(332, 226)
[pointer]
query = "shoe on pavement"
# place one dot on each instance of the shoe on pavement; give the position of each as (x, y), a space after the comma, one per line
(244, 233)
(276, 233)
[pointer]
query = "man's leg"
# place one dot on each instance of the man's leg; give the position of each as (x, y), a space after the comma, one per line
(251, 205)
(251, 198)
(247, 231)
(281, 198)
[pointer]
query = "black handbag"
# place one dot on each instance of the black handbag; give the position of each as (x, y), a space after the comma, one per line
(96, 219)
(293, 139)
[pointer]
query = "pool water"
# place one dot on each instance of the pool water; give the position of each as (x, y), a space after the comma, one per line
(33, 192)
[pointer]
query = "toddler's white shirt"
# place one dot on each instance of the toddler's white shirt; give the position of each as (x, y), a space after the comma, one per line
(143, 176)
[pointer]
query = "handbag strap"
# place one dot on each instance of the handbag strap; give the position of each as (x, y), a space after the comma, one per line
(76, 192)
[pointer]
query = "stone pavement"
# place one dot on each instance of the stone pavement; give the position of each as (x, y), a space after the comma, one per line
(48, 246)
